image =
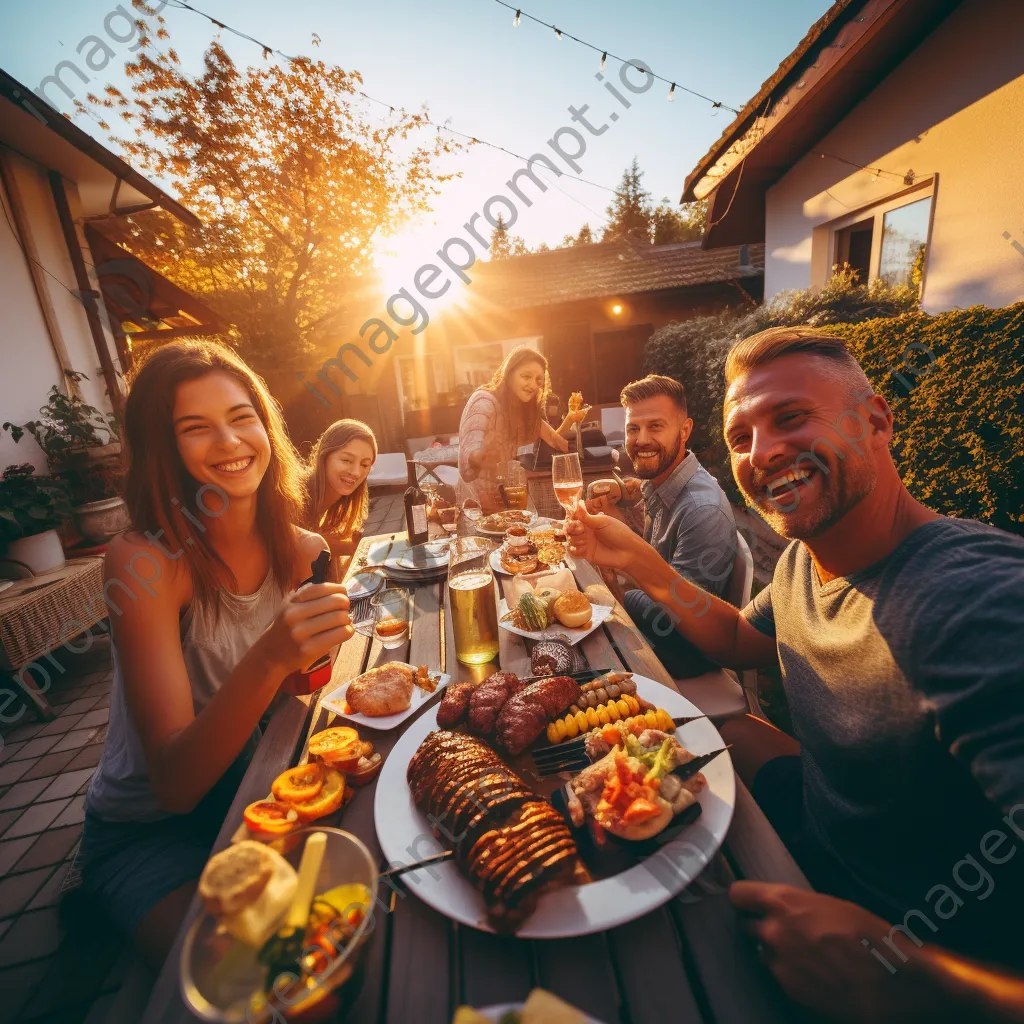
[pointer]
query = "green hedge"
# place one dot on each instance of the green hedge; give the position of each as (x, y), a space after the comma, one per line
(955, 383)
(959, 440)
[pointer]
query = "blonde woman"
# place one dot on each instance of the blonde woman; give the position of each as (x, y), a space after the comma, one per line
(337, 494)
(501, 417)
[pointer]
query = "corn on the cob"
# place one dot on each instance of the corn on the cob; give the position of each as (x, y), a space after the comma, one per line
(579, 723)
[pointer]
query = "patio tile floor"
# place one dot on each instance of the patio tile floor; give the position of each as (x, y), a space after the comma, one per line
(50, 972)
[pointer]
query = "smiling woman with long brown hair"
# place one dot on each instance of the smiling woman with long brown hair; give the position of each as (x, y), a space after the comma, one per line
(501, 417)
(337, 498)
(206, 625)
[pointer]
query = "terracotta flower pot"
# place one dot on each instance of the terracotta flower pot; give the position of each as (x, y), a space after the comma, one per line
(99, 521)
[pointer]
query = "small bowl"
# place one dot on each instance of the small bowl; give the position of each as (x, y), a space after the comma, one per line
(220, 976)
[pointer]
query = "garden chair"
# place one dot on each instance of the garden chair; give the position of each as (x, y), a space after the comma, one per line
(725, 693)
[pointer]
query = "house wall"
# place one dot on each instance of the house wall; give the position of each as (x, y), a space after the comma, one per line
(951, 109)
(29, 364)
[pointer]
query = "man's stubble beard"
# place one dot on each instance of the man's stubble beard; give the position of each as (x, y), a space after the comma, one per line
(665, 460)
(843, 491)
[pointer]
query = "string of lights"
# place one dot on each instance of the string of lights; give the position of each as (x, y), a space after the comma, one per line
(906, 177)
(606, 53)
(472, 139)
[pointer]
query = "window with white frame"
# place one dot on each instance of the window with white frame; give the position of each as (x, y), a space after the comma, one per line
(888, 241)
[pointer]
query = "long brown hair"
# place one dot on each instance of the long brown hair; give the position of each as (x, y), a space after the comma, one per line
(349, 512)
(161, 494)
(527, 416)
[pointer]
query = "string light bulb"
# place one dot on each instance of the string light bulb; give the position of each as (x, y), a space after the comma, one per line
(604, 60)
(515, 20)
(672, 93)
(558, 33)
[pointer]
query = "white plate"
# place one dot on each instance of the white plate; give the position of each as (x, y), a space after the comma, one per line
(404, 834)
(598, 613)
(419, 697)
(435, 556)
(497, 567)
(501, 533)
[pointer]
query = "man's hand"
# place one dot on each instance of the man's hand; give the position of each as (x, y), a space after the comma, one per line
(813, 945)
(603, 496)
(602, 540)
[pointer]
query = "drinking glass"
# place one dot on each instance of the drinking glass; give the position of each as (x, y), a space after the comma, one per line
(567, 479)
(448, 516)
(515, 485)
(391, 617)
(471, 598)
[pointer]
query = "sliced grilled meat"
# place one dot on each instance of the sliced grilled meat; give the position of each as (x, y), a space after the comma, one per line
(512, 845)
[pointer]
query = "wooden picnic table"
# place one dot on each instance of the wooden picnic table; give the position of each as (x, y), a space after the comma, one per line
(686, 962)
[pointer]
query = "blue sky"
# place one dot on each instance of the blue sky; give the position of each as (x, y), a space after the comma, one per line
(509, 85)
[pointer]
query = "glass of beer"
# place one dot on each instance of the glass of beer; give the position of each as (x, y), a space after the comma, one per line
(515, 485)
(567, 479)
(471, 595)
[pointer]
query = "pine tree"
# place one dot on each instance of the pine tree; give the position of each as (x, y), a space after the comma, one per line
(501, 248)
(630, 213)
(503, 245)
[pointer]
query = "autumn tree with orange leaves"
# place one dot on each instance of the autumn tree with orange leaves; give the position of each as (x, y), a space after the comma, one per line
(292, 177)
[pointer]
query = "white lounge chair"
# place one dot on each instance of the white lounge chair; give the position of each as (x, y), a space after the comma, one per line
(389, 470)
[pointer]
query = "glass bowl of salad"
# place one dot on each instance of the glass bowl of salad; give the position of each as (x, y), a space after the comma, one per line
(289, 950)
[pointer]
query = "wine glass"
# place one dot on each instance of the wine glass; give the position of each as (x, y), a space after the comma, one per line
(567, 479)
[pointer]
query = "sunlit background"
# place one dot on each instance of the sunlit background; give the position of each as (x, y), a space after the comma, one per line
(476, 72)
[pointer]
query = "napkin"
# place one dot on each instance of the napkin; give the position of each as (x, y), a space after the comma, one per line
(561, 580)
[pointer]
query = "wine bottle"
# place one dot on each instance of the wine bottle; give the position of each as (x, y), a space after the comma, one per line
(415, 509)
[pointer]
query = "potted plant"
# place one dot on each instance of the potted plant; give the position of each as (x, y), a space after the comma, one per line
(67, 426)
(31, 509)
(81, 448)
(98, 508)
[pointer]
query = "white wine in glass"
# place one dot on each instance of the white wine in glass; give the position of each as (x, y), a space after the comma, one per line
(567, 479)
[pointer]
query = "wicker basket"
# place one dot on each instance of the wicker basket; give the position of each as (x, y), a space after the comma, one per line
(39, 614)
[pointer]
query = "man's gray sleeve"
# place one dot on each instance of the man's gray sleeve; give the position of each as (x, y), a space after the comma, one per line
(705, 547)
(760, 613)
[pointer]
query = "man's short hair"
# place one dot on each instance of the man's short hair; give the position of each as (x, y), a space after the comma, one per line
(650, 387)
(776, 342)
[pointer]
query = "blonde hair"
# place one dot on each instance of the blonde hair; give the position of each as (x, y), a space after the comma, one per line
(776, 342)
(527, 419)
(346, 515)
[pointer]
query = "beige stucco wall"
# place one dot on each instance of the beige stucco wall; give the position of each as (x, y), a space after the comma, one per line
(28, 362)
(954, 108)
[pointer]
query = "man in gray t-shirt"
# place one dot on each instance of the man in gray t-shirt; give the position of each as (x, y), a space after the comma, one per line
(900, 634)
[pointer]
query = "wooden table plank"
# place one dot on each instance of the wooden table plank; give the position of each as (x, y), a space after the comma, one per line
(421, 940)
(495, 969)
(581, 972)
(648, 958)
(735, 984)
